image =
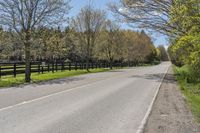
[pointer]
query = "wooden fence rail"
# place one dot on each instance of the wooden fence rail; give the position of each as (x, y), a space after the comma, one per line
(14, 69)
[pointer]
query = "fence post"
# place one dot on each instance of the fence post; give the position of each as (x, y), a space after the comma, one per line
(56, 66)
(76, 66)
(0, 71)
(63, 66)
(53, 67)
(14, 70)
(70, 66)
(38, 68)
(92, 65)
(82, 66)
(30, 68)
(95, 65)
(42, 69)
(48, 67)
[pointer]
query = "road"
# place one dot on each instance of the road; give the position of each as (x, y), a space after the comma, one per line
(108, 102)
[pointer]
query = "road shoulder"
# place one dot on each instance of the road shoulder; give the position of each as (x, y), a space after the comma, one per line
(170, 112)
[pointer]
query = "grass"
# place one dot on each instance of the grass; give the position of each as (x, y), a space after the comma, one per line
(190, 90)
(9, 81)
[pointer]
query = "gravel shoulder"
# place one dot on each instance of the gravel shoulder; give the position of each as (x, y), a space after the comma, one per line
(170, 112)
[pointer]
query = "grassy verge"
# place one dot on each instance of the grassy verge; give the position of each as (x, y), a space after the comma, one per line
(9, 81)
(190, 90)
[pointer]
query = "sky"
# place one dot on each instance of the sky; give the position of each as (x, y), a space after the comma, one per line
(102, 4)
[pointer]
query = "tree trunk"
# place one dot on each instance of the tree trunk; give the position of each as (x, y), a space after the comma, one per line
(88, 56)
(87, 64)
(111, 64)
(27, 59)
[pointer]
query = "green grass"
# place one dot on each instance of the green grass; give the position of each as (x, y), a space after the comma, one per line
(9, 81)
(191, 90)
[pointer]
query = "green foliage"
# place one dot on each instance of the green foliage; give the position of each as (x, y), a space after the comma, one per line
(54, 44)
(185, 14)
(138, 47)
(186, 73)
(185, 48)
(90, 37)
(190, 90)
(163, 53)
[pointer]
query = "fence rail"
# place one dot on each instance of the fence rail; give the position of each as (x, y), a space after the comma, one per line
(14, 69)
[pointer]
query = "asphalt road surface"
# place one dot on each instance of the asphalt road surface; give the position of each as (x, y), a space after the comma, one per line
(108, 102)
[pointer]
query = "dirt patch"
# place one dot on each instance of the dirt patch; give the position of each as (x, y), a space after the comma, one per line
(170, 112)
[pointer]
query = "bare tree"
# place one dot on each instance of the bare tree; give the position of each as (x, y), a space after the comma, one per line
(88, 24)
(150, 14)
(25, 15)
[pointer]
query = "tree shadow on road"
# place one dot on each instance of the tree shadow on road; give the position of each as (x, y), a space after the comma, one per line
(59, 81)
(169, 78)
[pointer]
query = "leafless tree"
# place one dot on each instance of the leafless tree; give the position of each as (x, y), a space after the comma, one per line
(88, 24)
(25, 15)
(150, 14)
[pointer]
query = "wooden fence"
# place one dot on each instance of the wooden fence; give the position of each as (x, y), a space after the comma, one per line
(42, 67)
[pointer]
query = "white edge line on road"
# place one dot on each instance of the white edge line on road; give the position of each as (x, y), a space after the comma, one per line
(57, 93)
(144, 121)
(47, 96)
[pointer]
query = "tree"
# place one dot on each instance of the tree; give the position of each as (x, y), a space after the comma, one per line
(56, 45)
(149, 14)
(140, 47)
(163, 53)
(25, 15)
(1, 41)
(158, 55)
(88, 24)
(186, 14)
(8, 49)
(185, 49)
(131, 40)
(110, 43)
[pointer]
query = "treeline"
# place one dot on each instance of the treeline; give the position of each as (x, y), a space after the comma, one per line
(84, 39)
(185, 45)
(54, 44)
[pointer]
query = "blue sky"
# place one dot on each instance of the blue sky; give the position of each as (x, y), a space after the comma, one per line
(102, 4)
